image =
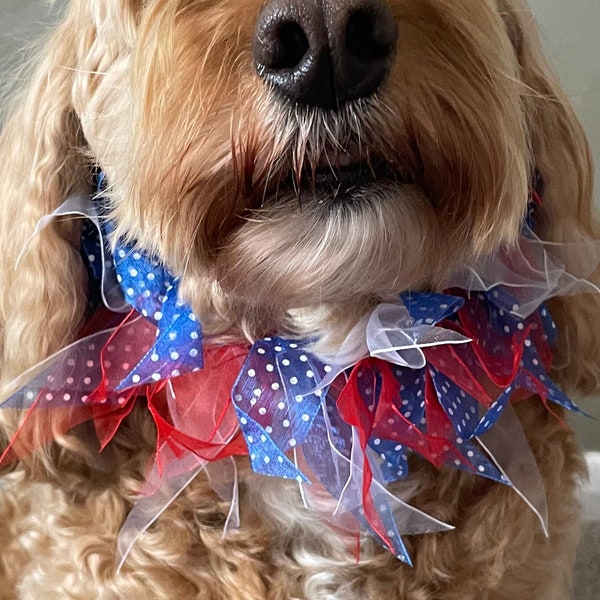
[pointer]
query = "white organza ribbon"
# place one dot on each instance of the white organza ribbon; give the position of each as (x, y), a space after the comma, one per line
(533, 271)
(346, 473)
(507, 446)
(388, 332)
(161, 490)
(80, 205)
(393, 336)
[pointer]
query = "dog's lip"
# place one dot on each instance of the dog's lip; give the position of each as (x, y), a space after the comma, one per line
(346, 176)
(333, 178)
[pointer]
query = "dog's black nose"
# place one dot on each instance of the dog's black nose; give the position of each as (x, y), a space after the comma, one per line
(325, 52)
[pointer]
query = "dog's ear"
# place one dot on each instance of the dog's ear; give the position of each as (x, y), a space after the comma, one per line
(562, 157)
(43, 158)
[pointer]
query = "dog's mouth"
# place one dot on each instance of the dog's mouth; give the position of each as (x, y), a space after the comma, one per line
(338, 179)
(342, 180)
(333, 178)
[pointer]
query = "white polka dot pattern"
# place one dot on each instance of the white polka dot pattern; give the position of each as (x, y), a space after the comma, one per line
(276, 401)
(154, 293)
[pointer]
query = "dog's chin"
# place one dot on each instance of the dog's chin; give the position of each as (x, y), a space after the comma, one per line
(337, 239)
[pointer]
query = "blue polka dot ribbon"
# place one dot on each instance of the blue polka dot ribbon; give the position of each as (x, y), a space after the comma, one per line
(127, 279)
(276, 400)
(149, 288)
(154, 293)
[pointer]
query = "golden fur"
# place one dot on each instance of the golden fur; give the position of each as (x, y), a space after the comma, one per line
(162, 95)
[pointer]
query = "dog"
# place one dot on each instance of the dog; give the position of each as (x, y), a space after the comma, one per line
(294, 165)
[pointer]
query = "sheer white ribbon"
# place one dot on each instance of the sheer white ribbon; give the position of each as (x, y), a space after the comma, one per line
(533, 271)
(388, 332)
(80, 205)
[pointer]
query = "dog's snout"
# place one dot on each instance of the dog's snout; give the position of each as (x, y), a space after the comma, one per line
(325, 53)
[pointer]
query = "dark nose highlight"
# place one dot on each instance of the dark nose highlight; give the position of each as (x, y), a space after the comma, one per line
(325, 53)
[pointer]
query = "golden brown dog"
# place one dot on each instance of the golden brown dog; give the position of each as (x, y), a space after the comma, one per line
(293, 162)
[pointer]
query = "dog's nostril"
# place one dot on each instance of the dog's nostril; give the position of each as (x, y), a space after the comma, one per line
(367, 38)
(291, 44)
(367, 43)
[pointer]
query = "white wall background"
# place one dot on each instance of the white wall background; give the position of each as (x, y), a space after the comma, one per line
(570, 30)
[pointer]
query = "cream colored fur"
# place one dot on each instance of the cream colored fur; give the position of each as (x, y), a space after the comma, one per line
(163, 97)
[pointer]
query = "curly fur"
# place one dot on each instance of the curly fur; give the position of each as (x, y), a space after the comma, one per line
(162, 95)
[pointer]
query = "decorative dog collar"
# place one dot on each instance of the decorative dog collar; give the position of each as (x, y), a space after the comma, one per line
(432, 375)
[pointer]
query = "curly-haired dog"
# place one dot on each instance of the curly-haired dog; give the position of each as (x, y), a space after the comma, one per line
(292, 163)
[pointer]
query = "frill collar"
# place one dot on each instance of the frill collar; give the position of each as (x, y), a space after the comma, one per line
(432, 375)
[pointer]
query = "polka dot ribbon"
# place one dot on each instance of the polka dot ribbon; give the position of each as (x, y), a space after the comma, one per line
(153, 292)
(276, 401)
(438, 412)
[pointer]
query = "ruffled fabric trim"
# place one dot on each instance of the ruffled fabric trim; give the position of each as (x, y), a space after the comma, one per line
(431, 375)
